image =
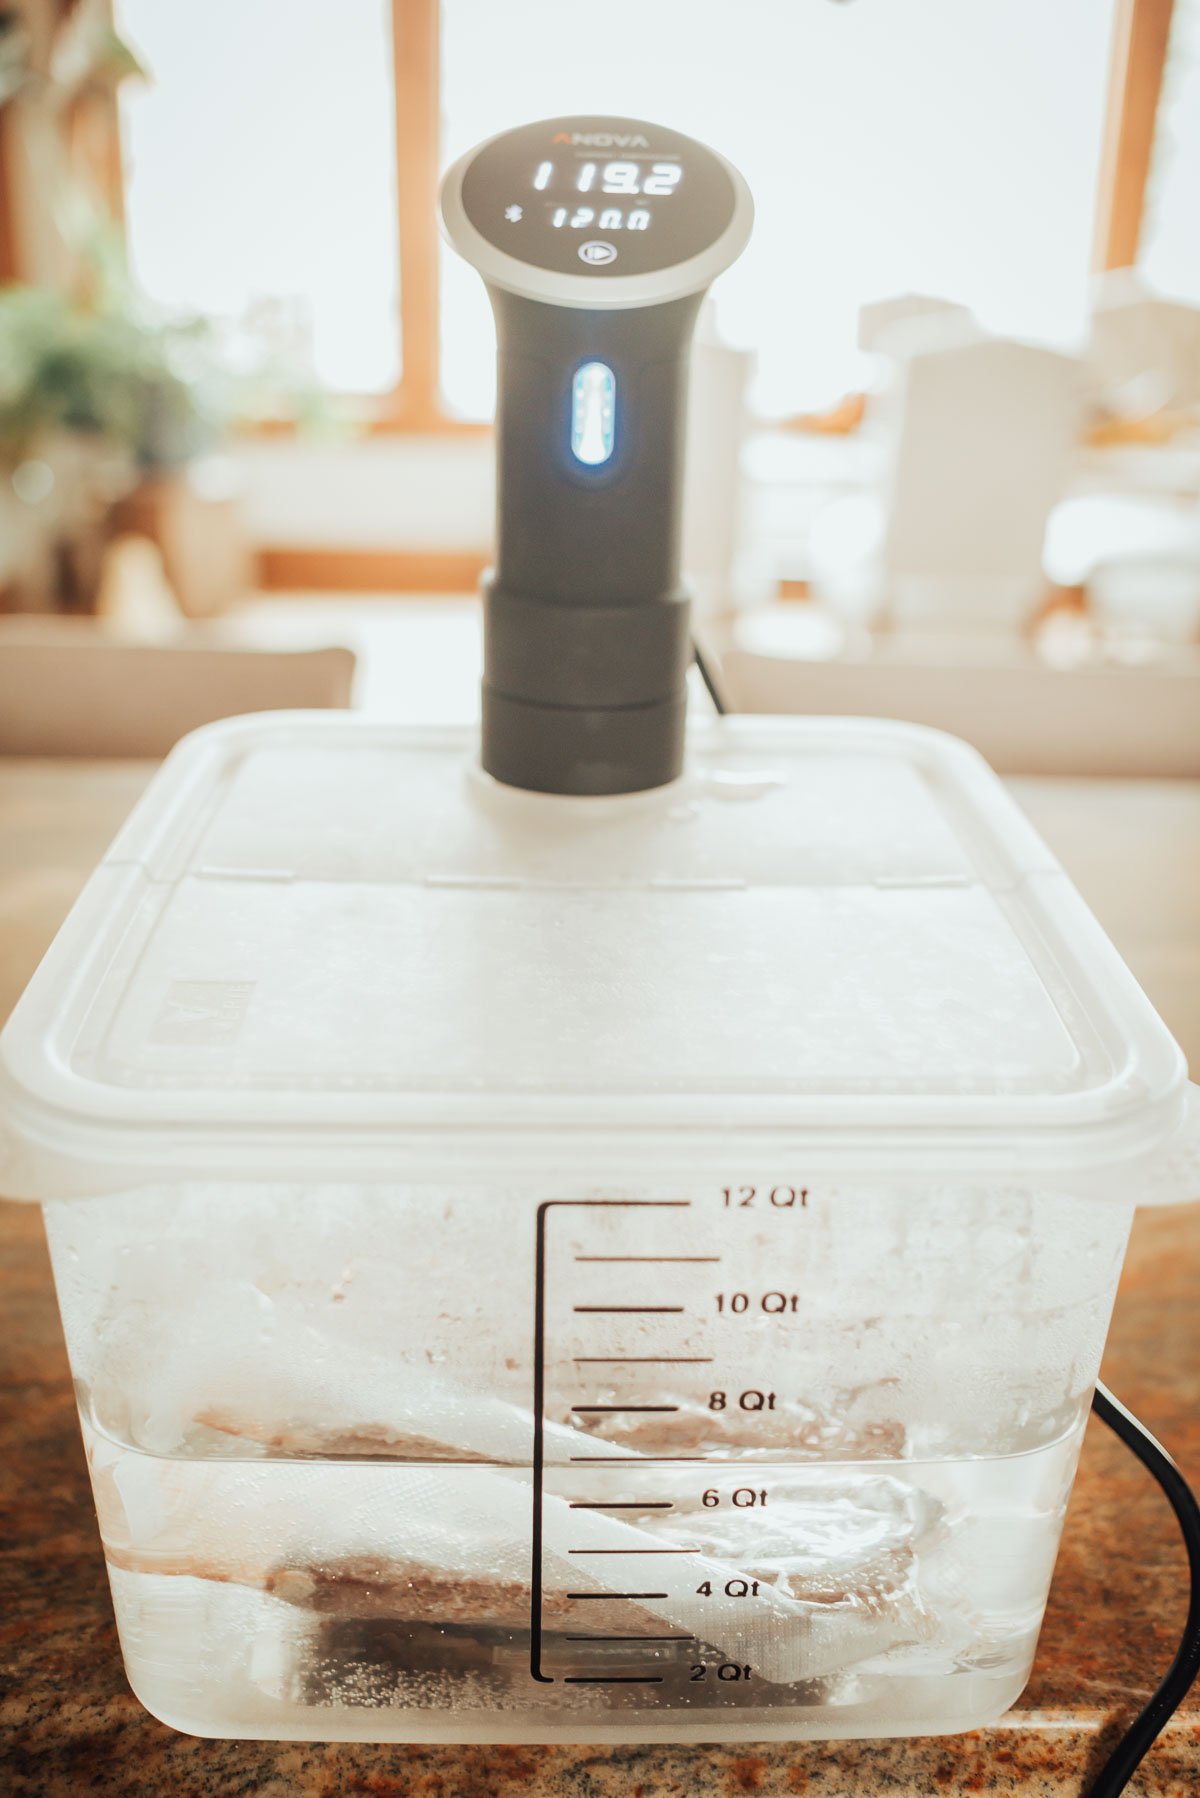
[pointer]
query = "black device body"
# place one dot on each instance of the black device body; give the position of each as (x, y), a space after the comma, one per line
(597, 238)
(584, 687)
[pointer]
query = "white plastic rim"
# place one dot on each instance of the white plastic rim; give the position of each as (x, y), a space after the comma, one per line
(1132, 1131)
(615, 292)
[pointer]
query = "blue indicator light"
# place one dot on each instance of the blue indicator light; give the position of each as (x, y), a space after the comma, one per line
(593, 413)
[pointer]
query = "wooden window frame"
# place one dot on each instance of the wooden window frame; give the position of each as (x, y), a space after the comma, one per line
(1141, 34)
(1141, 37)
(1137, 59)
(1139, 52)
(415, 407)
(416, 404)
(1141, 40)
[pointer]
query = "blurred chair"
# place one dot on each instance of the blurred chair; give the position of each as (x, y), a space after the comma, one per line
(1023, 715)
(195, 518)
(712, 492)
(981, 433)
(1138, 560)
(67, 688)
(1143, 352)
(884, 326)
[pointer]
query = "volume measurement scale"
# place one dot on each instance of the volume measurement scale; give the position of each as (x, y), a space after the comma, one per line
(724, 1547)
(676, 1293)
(594, 1231)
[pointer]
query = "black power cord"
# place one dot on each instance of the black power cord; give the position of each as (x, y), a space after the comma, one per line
(1146, 1727)
(1118, 1769)
(709, 676)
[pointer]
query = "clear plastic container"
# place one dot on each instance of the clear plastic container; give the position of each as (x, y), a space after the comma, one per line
(614, 1269)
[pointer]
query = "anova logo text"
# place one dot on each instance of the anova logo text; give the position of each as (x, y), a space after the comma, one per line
(603, 140)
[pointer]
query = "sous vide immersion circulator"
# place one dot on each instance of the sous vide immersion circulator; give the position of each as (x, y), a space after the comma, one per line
(597, 239)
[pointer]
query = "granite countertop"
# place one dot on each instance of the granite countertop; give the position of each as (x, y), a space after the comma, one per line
(69, 1724)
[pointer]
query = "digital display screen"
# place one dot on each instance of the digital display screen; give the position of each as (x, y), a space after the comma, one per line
(598, 196)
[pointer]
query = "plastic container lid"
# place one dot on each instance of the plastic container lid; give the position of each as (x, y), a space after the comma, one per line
(326, 949)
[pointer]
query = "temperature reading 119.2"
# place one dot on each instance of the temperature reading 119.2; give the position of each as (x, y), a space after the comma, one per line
(660, 179)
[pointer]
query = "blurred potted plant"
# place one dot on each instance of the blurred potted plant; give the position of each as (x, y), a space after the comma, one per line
(110, 414)
(96, 399)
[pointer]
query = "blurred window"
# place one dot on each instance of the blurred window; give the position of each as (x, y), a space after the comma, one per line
(260, 174)
(930, 146)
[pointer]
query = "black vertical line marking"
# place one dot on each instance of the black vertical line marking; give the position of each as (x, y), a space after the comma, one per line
(539, 1445)
(539, 1405)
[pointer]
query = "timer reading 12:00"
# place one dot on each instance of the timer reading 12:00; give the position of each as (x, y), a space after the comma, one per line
(655, 180)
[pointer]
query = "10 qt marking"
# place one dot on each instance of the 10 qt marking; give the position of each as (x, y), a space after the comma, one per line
(613, 1295)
